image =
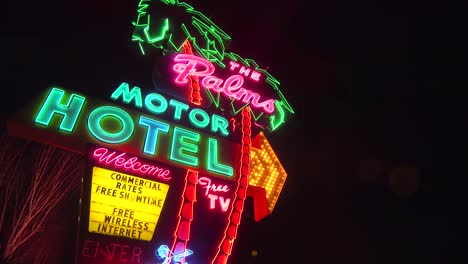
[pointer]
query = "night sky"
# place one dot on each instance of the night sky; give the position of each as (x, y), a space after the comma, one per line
(373, 156)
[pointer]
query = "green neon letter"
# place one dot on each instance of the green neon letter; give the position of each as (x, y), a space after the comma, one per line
(178, 108)
(153, 128)
(95, 127)
(212, 161)
(180, 147)
(69, 111)
(219, 123)
(199, 123)
(153, 108)
(128, 96)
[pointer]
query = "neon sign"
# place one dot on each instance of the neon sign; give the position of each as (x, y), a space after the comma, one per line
(167, 26)
(163, 252)
(114, 126)
(157, 104)
(189, 65)
(126, 198)
(210, 187)
(114, 197)
(103, 155)
(206, 182)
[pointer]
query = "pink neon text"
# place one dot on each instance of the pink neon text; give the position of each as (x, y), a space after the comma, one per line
(206, 183)
(103, 155)
(209, 187)
(189, 65)
(245, 71)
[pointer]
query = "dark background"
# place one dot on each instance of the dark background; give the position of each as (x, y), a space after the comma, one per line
(374, 154)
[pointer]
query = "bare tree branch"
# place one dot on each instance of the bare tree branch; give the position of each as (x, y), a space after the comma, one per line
(54, 176)
(10, 153)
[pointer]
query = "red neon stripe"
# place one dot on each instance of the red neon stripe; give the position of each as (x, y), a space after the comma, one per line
(194, 86)
(237, 206)
(185, 216)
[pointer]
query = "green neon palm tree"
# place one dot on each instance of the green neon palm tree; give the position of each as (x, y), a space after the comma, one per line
(164, 26)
